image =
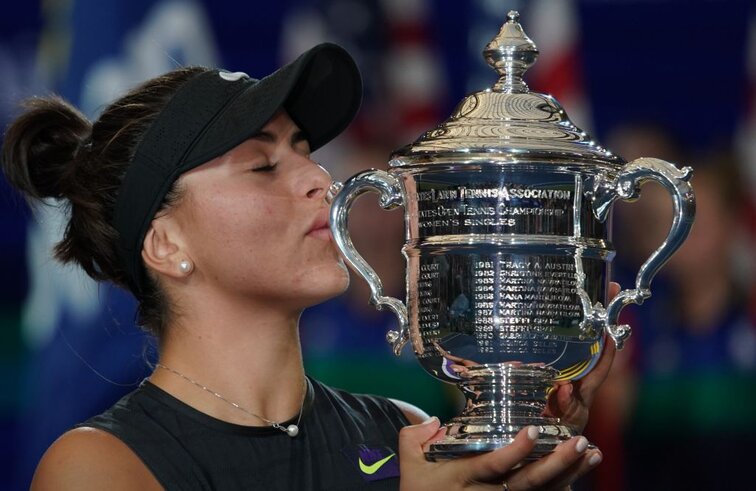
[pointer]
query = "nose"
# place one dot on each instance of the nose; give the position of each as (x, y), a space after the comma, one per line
(319, 183)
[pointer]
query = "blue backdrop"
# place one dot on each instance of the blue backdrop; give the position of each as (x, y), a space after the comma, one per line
(68, 348)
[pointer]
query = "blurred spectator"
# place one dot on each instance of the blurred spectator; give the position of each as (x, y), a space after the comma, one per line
(683, 390)
(431, 53)
(696, 356)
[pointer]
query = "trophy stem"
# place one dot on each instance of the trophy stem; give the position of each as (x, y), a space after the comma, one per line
(501, 399)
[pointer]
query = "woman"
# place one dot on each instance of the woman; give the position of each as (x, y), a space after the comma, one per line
(197, 193)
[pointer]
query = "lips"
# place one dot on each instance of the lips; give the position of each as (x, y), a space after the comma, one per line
(319, 228)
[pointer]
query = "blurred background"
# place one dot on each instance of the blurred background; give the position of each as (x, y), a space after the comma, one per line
(674, 79)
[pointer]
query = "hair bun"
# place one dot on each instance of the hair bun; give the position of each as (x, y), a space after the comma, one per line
(42, 145)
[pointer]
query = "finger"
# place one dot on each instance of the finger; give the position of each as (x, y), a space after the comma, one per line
(614, 289)
(585, 464)
(596, 377)
(566, 404)
(571, 401)
(551, 469)
(493, 465)
(439, 435)
(412, 438)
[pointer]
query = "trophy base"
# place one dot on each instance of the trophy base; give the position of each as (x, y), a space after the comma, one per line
(465, 438)
(502, 399)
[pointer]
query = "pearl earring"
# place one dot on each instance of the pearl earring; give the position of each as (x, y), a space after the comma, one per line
(186, 266)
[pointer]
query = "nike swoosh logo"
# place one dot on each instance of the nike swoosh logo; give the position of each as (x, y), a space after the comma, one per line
(373, 468)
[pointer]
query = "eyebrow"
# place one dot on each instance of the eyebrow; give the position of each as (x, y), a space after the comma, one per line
(268, 137)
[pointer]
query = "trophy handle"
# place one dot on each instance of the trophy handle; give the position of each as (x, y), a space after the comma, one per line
(389, 189)
(626, 185)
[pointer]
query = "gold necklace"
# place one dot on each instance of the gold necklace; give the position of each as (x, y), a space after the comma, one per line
(292, 430)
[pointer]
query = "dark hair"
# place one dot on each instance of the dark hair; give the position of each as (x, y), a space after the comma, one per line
(53, 151)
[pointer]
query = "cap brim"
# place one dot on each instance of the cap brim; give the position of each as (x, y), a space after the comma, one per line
(321, 91)
(213, 113)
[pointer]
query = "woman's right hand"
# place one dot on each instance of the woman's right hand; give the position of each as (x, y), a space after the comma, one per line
(489, 471)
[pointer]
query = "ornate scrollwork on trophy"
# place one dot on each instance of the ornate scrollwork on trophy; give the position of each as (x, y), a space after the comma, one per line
(508, 246)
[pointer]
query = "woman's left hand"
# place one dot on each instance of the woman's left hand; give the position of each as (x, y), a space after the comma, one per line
(570, 401)
(489, 471)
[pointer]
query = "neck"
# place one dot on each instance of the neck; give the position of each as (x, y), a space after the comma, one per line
(247, 352)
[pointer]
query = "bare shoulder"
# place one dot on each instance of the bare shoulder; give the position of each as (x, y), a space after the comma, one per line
(88, 458)
(414, 414)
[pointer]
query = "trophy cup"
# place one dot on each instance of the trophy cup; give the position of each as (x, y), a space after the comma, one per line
(507, 213)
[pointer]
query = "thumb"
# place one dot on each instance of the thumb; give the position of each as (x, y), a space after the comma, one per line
(412, 438)
(564, 403)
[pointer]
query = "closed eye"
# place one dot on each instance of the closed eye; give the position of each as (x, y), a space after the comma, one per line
(265, 168)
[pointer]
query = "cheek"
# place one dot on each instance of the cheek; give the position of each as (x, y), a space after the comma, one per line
(239, 230)
(251, 213)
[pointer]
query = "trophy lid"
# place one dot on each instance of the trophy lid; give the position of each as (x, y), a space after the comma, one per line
(507, 123)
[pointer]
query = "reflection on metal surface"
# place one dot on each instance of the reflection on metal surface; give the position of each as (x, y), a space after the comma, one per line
(508, 246)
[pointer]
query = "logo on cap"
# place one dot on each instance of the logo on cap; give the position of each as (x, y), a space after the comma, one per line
(232, 76)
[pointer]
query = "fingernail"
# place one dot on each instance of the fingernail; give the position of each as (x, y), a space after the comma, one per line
(533, 432)
(595, 459)
(430, 420)
(582, 444)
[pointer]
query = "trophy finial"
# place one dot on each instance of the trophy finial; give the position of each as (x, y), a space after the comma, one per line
(511, 53)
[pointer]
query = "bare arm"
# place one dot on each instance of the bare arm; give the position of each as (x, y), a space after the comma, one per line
(414, 414)
(87, 458)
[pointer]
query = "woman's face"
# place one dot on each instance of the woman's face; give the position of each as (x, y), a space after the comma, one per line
(255, 221)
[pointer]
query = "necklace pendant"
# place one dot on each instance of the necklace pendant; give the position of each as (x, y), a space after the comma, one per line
(292, 430)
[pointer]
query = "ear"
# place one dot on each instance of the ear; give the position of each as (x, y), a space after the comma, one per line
(163, 250)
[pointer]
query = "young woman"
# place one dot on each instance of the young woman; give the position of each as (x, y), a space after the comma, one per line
(196, 192)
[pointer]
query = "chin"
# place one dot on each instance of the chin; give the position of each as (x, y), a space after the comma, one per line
(341, 283)
(329, 285)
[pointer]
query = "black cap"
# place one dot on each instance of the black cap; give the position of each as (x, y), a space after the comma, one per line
(215, 111)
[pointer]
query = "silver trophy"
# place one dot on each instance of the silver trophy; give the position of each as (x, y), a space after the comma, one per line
(508, 247)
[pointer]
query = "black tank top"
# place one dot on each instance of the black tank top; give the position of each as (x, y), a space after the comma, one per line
(345, 441)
